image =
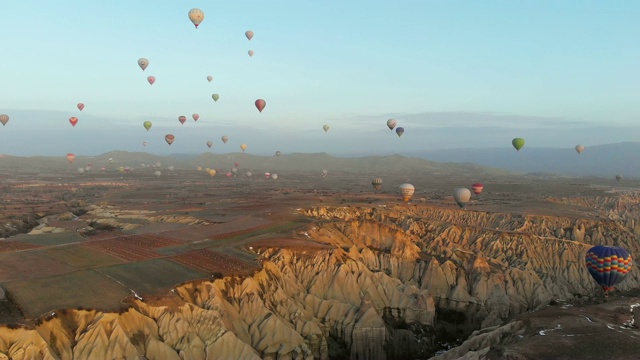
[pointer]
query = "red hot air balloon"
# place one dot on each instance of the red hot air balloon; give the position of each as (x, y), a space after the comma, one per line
(195, 117)
(80, 106)
(182, 119)
(477, 188)
(260, 104)
(73, 120)
(71, 157)
(169, 138)
(151, 79)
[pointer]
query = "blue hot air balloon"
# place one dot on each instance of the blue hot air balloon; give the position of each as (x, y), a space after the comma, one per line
(608, 265)
(400, 131)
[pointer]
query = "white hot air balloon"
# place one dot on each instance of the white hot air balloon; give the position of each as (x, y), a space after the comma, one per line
(579, 149)
(407, 191)
(274, 176)
(157, 173)
(462, 196)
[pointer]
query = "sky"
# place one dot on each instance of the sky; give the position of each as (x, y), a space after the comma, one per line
(455, 74)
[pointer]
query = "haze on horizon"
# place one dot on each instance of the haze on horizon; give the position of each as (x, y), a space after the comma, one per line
(454, 74)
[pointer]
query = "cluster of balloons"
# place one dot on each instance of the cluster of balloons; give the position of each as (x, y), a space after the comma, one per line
(391, 124)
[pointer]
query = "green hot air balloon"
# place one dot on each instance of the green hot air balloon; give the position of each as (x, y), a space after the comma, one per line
(518, 143)
(147, 125)
(215, 97)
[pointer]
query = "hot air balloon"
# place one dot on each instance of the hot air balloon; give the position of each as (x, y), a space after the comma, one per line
(196, 16)
(73, 120)
(234, 171)
(151, 79)
(267, 175)
(236, 164)
(4, 119)
(143, 63)
(324, 173)
(195, 117)
(215, 97)
(407, 191)
(80, 106)
(158, 164)
(71, 157)
(608, 265)
(212, 172)
(229, 174)
(248, 34)
(225, 139)
(209, 78)
(171, 168)
(377, 183)
(249, 173)
(400, 131)
(81, 170)
(209, 144)
(260, 104)
(461, 196)
(391, 123)
(243, 147)
(278, 153)
(157, 173)
(477, 188)
(110, 160)
(250, 52)
(274, 176)
(169, 138)
(144, 143)
(618, 177)
(579, 149)
(518, 143)
(326, 128)
(147, 125)
(182, 119)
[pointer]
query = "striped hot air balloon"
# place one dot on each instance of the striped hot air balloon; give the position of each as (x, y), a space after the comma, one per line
(196, 16)
(377, 183)
(608, 265)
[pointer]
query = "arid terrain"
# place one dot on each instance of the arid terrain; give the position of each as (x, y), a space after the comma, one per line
(110, 264)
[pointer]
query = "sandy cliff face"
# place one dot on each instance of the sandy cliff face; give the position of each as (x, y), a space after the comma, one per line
(396, 280)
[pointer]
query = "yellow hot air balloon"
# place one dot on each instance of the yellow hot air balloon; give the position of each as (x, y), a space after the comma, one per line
(147, 125)
(243, 147)
(196, 16)
(212, 173)
(407, 191)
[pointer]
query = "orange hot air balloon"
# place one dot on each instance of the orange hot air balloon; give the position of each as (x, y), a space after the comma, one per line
(260, 104)
(169, 138)
(73, 120)
(4, 119)
(71, 157)
(195, 117)
(151, 79)
(182, 119)
(80, 106)
(477, 188)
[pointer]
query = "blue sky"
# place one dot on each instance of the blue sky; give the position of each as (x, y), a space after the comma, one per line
(453, 73)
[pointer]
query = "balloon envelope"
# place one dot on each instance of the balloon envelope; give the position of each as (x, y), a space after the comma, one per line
(248, 34)
(236, 164)
(461, 196)
(195, 117)
(215, 97)
(518, 143)
(477, 188)
(225, 139)
(209, 78)
(80, 106)
(608, 265)
(579, 149)
(4, 119)
(391, 123)
(400, 131)
(147, 125)
(326, 128)
(151, 79)
(143, 63)
(243, 147)
(70, 157)
(169, 138)
(407, 191)
(260, 104)
(196, 16)
(618, 177)
(278, 153)
(250, 52)
(377, 183)
(182, 119)
(73, 120)
(209, 143)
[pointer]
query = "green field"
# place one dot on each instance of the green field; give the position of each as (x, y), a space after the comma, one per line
(151, 276)
(51, 239)
(84, 288)
(81, 257)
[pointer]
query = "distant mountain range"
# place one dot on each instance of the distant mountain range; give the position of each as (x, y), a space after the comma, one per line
(598, 160)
